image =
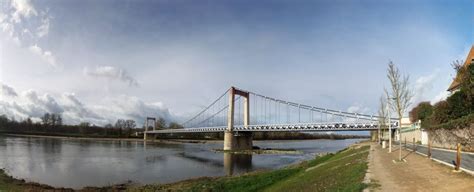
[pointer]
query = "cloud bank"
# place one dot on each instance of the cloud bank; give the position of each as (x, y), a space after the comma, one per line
(31, 103)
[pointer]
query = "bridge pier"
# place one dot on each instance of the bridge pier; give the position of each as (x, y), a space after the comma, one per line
(149, 123)
(237, 140)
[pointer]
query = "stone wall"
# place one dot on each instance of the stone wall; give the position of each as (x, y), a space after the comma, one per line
(409, 135)
(448, 138)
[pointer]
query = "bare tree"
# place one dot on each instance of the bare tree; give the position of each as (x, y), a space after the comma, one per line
(400, 93)
(457, 66)
(382, 112)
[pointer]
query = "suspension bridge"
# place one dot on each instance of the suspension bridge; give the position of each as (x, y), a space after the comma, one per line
(238, 113)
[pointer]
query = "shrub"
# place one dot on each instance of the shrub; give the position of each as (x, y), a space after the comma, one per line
(462, 122)
(441, 113)
(457, 105)
(422, 111)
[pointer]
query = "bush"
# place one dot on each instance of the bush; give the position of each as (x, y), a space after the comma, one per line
(457, 110)
(457, 105)
(462, 122)
(441, 113)
(422, 111)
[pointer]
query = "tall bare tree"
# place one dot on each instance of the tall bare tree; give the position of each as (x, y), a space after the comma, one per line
(401, 94)
(382, 112)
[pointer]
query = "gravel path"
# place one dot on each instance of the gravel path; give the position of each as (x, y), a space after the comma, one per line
(418, 173)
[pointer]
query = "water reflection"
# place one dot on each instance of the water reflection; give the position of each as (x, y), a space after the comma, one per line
(240, 162)
(78, 163)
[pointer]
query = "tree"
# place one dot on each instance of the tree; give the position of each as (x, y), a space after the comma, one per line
(59, 120)
(413, 114)
(129, 125)
(107, 127)
(120, 124)
(174, 125)
(421, 112)
(160, 123)
(46, 119)
(400, 92)
(401, 95)
(464, 98)
(441, 113)
(82, 126)
(457, 105)
(28, 121)
(382, 112)
(52, 120)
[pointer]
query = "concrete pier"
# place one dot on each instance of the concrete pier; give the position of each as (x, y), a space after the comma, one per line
(237, 140)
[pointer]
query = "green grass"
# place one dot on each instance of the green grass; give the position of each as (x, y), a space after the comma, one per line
(343, 171)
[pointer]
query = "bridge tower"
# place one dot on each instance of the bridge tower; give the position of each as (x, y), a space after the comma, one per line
(237, 140)
(149, 123)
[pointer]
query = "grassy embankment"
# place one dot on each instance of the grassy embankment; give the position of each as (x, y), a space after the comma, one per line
(343, 171)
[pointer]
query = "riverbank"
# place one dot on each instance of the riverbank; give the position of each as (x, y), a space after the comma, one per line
(10, 184)
(342, 171)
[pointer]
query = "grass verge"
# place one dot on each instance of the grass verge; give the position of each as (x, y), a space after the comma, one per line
(343, 171)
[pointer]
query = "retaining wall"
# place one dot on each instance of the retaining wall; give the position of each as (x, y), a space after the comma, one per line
(448, 138)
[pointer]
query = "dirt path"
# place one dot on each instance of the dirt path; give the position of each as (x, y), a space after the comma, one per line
(418, 173)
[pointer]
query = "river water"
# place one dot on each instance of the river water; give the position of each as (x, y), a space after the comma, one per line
(79, 163)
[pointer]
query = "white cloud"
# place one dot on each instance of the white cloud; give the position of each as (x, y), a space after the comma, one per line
(7, 28)
(441, 96)
(423, 85)
(43, 29)
(32, 104)
(46, 56)
(358, 108)
(21, 32)
(5, 90)
(23, 8)
(110, 72)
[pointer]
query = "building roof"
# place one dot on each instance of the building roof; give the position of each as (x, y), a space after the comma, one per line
(469, 60)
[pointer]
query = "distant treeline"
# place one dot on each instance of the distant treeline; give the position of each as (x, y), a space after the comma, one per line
(52, 125)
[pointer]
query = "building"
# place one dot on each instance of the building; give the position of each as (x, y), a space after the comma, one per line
(410, 131)
(456, 82)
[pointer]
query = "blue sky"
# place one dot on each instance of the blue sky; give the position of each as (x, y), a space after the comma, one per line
(101, 60)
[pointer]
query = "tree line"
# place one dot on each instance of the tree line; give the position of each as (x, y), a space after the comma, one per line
(52, 124)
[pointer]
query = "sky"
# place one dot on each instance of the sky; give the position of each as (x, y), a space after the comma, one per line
(98, 61)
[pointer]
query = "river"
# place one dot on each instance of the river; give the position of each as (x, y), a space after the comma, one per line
(78, 163)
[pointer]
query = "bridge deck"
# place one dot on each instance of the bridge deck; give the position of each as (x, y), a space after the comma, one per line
(280, 128)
